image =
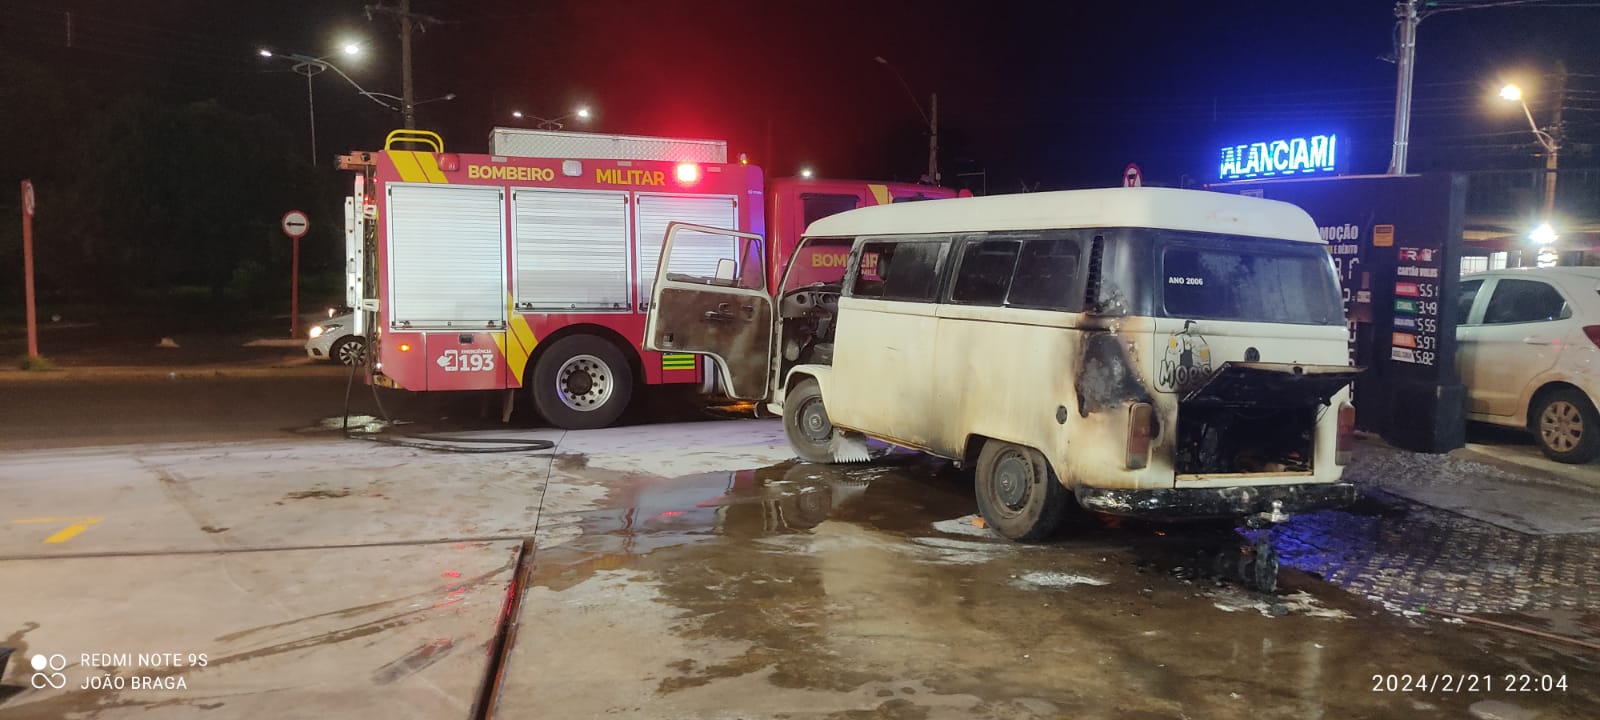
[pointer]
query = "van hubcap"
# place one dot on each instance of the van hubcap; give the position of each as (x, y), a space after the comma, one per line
(814, 422)
(584, 383)
(1013, 480)
(1561, 426)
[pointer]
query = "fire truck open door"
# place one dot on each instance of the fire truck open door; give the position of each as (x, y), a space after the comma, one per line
(710, 298)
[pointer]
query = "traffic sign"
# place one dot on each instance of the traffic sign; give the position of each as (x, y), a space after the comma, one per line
(27, 198)
(295, 224)
(1131, 176)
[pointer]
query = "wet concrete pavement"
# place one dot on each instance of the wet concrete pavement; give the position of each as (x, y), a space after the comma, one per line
(691, 570)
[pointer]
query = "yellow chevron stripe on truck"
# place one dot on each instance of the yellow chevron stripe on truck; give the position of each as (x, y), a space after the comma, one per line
(417, 167)
(517, 343)
(881, 193)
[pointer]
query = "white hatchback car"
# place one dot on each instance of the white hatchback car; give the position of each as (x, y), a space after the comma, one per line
(1529, 346)
(336, 340)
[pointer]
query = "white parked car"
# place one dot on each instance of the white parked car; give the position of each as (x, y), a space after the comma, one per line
(336, 340)
(1529, 343)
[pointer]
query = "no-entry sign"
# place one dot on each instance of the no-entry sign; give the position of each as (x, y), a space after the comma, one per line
(295, 224)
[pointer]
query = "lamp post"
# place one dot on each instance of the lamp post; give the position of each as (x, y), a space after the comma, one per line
(930, 119)
(555, 123)
(1552, 148)
(312, 66)
(1409, 14)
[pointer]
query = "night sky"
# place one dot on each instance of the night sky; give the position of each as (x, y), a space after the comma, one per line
(1046, 95)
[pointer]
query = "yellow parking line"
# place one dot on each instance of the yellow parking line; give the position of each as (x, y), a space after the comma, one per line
(73, 528)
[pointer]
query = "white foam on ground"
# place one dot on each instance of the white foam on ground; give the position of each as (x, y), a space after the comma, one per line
(1052, 579)
(1300, 603)
(963, 526)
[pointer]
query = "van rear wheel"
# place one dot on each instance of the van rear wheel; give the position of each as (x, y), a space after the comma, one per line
(1018, 494)
(806, 423)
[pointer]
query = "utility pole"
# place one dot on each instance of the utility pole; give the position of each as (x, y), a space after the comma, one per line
(1553, 149)
(1406, 11)
(408, 21)
(408, 93)
(932, 119)
(933, 141)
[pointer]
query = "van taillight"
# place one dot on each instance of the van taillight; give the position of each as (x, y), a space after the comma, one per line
(1141, 427)
(1347, 434)
(1593, 331)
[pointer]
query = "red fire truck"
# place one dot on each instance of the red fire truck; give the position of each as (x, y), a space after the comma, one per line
(531, 267)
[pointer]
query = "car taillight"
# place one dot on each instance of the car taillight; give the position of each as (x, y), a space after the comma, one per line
(1593, 332)
(1141, 428)
(1347, 434)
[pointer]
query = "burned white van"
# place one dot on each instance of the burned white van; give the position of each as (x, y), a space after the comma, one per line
(1141, 351)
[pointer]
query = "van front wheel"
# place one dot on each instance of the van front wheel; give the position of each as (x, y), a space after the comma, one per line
(1018, 495)
(805, 421)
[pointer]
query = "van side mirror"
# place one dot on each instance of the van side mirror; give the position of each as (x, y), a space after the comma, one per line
(725, 269)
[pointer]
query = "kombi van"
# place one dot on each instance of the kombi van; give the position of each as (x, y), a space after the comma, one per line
(1140, 351)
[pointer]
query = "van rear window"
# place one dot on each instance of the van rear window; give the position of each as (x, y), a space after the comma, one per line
(1251, 281)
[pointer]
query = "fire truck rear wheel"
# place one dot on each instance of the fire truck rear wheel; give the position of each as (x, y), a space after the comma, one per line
(581, 382)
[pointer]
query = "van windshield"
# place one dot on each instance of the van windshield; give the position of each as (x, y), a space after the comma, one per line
(818, 260)
(1219, 277)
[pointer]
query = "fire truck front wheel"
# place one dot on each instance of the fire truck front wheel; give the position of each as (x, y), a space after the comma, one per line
(581, 382)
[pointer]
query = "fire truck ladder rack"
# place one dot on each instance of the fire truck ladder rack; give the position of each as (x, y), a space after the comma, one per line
(417, 137)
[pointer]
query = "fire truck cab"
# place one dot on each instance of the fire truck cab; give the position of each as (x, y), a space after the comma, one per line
(533, 266)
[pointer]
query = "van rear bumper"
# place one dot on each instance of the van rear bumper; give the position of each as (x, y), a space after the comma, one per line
(1223, 502)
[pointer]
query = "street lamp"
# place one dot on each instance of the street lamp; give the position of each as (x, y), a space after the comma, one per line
(930, 119)
(1543, 235)
(555, 123)
(1552, 148)
(311, 66)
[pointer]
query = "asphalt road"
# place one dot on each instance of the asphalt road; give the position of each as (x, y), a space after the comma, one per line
(92, 411)
(95, 410)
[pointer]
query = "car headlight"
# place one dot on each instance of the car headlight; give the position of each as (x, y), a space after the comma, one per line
(320, 330)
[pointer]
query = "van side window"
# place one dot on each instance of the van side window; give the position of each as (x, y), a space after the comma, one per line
(1047, 276)
(899, 271)
(985, 272)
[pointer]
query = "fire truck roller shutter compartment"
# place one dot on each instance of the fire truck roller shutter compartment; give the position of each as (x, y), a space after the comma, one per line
(694, 253)
(447, 257)
(571, 250)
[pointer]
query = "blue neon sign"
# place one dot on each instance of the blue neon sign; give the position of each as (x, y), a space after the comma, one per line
(1276, 158)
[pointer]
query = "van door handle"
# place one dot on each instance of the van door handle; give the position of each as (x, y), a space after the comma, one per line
(721, 314)
(1535, 340)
